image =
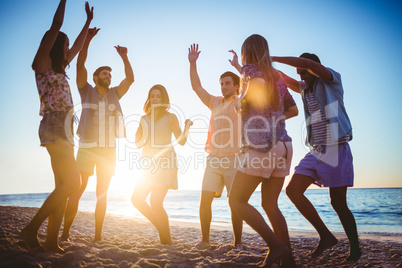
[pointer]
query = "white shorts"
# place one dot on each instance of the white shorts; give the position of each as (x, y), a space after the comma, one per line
(275, 163)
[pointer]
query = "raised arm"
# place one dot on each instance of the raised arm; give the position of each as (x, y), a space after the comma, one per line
(82, 74)
(235, 61)
(290, 112)
(193, 54)
(289, 104)
(126, 83)
(311, 66)
(181, 137)
(42, 59)
(291, 83)
(78, 43)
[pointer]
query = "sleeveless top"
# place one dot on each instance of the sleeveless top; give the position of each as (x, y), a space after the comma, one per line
(159, 137)
(161, 168)
(101, 119)
(54, 92)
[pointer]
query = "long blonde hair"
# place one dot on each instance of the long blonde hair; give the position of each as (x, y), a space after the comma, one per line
(255, 51)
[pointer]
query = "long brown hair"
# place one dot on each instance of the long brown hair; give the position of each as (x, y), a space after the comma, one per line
(59, 63)
(255, 50)
(159, 111)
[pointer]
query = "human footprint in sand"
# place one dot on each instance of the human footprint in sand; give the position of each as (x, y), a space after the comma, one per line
(55, 131)
(330, 162)
(154, 135)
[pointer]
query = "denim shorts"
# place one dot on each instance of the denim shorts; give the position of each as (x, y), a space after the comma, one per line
(54, 127)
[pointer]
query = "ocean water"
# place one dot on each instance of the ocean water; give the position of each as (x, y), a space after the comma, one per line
(377, 211)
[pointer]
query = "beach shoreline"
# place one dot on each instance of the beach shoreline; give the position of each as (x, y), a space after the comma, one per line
(134, 242)
(383, 237)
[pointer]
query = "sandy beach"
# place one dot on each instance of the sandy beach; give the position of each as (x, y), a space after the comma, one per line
(134, 242)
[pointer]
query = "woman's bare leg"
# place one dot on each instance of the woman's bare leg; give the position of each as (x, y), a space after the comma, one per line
(67, 181)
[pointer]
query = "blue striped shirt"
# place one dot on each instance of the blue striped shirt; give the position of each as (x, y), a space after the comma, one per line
(320, 124)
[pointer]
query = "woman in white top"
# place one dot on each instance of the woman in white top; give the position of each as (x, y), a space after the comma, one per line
(154, 135)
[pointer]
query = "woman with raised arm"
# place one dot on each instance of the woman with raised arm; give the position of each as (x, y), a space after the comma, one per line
(267, 149)
(56, 126)
(154, 135)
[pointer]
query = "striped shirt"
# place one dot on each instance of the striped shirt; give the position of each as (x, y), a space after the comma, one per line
(320, 124)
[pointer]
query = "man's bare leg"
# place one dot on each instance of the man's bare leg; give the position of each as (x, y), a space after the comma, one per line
(295, 191)
(102, 186)
(206, 215)
(339, 203)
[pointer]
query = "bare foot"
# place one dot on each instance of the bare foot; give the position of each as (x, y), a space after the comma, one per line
(288, 262)
(53, 248)
(203, 245)
(165, 240)
(275, 255)
(325, 243)
(65, 238)
(31, 240)
(354, 255)
(97, 238)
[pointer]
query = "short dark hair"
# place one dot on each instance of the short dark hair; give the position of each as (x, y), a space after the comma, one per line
(100, 69)
(235, 77)
(310, 56)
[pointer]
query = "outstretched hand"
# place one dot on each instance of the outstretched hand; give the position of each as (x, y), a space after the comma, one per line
(235, 60)
(188, 122)
(121, 50)
(92, 32)
(89, 11)
(193, 53)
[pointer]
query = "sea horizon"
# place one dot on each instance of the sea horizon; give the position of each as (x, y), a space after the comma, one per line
(350, 188)
(375, 209)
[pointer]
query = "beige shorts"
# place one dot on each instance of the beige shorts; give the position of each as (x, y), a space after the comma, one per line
(275, 163)
(219, 172)
(103, 158)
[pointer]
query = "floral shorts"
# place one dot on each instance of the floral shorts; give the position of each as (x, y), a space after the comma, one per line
(56, 126)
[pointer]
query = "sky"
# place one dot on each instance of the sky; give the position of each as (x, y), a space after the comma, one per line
(361, 40)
